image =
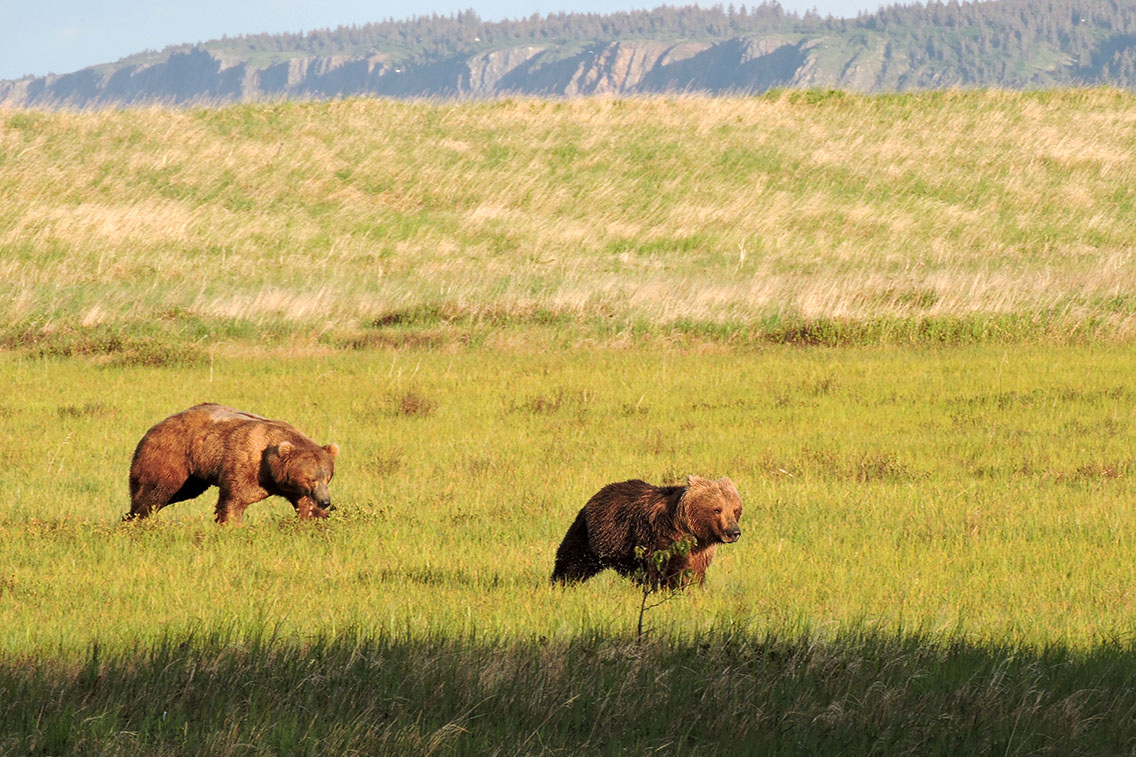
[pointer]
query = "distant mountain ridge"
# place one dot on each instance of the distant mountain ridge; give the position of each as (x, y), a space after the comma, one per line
(1001, 43)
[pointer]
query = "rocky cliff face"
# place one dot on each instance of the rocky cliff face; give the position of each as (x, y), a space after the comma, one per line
(618, 68)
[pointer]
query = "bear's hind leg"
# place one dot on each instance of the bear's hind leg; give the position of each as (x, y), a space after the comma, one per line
(575, 559)
(158, 474)
(148, 495)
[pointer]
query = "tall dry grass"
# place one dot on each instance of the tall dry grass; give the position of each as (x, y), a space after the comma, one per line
(317, 218)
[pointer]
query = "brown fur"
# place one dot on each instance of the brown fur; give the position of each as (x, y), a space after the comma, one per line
(246, 456)
(630, 514)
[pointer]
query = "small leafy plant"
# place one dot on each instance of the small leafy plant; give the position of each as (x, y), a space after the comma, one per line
(654, 578)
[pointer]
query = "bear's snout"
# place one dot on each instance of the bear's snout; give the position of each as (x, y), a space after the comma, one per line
(732, 535)
(322, 495)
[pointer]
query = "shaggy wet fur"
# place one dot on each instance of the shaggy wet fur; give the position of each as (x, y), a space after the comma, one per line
(246, 456)
(630, 514)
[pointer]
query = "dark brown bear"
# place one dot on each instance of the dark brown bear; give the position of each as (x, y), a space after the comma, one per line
(630, 514)
(247, 457)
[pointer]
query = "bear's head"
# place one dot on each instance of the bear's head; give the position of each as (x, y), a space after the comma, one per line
(303, 470)
(710, 510)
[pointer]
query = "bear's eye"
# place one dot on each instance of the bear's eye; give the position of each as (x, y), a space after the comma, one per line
(717, 511)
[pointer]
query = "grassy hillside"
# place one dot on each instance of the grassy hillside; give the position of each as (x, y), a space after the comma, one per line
(793, 217)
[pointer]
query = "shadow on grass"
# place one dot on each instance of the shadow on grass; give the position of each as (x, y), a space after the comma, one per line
(723, 693)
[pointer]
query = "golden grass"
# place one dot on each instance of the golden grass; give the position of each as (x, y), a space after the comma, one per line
(326, 215)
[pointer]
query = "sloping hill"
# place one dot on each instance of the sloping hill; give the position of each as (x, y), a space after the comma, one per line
(1004, 43)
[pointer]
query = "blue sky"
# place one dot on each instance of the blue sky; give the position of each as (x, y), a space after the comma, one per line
(60, 36)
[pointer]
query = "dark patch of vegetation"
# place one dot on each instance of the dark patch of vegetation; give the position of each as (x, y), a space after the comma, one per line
(435, 324)
(155, 354)
(726, 691)
(441, 576)
(912, 330)
(86, 410)
(554, 402)
(386, 463)
(418, 315)
(385, 340)
(107, 345)
(451, 314)
(178, 339)
(411, 403)
(929, 330)
(1098, 471)
(866, 467)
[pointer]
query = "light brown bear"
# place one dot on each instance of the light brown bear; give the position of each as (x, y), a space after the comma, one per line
(246, 456)
(630, 514)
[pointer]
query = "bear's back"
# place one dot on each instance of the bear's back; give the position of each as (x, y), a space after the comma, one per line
(213, 436)
(631, 513)
(220, 413)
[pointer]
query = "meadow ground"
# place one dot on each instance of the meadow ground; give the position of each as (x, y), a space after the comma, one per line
(903, 325)
(935, 555)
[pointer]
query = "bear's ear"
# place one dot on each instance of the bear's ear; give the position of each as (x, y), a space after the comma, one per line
(694, 482)
(283, 448)
(728, 486)
(332, 449)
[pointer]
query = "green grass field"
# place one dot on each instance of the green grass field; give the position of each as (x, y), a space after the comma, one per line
(973, 491)
(902, 325)
(959, 515)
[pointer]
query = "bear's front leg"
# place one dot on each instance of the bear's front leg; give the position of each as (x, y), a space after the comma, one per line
(230, 510)
(231, 507)
(237, 493)
(696, 563)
